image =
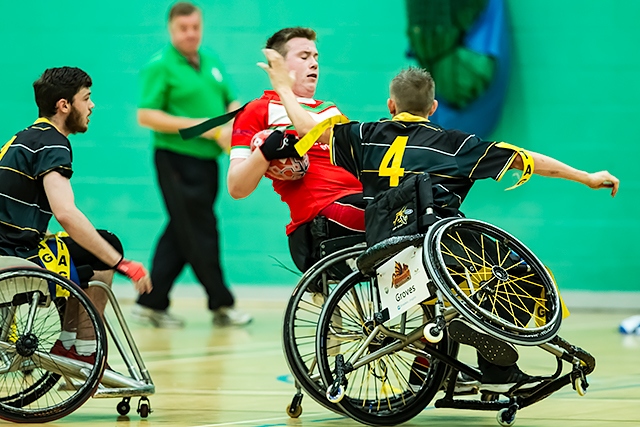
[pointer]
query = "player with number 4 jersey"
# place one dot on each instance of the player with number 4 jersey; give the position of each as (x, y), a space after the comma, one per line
(382, 153)
(386, 153)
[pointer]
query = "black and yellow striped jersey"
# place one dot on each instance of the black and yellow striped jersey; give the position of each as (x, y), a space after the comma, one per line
(24, 208)
(381, 153)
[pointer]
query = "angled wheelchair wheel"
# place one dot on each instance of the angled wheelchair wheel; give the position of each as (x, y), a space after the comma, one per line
(37, 385)
(377, 376)
(493, 280)
(302, 314)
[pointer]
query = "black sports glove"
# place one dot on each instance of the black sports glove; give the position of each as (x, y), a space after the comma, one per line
(279, 146)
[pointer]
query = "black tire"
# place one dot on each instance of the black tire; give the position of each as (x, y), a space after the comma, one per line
(513, 298)
(301, 319)
(381, 392)
(40, 400)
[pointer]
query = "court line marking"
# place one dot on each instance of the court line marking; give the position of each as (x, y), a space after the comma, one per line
(260, 420)
(195, 359)
(225, 392)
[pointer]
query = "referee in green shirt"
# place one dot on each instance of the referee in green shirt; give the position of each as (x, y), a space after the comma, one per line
(180, 87)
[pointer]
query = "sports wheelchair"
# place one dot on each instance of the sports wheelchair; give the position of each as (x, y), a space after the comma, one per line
(387, 336)
(36, 383)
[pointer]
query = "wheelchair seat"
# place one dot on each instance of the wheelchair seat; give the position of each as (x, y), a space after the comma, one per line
(373, 256)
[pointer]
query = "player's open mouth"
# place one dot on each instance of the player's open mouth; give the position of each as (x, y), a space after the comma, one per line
(312, 75)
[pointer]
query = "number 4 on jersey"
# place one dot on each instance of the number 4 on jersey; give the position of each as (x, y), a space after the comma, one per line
(392, 159)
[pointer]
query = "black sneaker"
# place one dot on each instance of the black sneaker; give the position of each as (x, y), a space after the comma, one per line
(465, 385)
(501, 380)
(492, 349)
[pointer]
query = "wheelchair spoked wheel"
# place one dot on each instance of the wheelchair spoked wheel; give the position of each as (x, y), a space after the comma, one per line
(301, 319)
(35, 385)
(395, 385)
(493, 280)
(39, 386)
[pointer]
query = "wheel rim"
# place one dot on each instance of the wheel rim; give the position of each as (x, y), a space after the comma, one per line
(37, 395)
(301, 319)
(379, 392)
(495, 280)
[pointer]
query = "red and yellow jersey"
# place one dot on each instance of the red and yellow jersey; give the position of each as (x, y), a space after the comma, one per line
(323, 183)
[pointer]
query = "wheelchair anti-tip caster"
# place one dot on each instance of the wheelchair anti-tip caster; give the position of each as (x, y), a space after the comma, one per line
(123, 406)
(144, 409)
(506, 417)
(294, 409)
(335, 393)
(579, 382)
(432, 333)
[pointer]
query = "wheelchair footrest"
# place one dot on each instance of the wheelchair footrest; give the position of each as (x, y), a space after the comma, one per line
(492, 349)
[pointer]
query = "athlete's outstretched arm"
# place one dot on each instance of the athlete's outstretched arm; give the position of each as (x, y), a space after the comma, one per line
(282, 81)
(548, 166)
(61, 199)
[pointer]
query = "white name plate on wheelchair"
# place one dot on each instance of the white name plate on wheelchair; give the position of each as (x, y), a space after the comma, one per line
(402, 282)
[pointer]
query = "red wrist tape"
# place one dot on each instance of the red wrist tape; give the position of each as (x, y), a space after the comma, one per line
(132, 269)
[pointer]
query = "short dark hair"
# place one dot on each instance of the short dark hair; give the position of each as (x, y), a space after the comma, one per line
(413, 91)
(56, 84)
(279, 39)
(182, 8)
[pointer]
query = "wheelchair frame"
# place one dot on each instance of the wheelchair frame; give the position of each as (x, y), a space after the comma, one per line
(87, 380)
(434, 329)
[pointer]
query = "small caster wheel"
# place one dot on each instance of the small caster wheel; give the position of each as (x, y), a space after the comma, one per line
(580, 386)
(294, 409)
(294, 412)
(335, 394)
(505, 417)
(430, 334)
(143, 407)
(123, 407)
(579, 382)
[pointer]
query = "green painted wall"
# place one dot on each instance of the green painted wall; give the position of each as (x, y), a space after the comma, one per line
(573, 95)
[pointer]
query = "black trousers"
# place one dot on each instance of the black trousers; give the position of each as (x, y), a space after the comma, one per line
(304, 241)
(189, 187)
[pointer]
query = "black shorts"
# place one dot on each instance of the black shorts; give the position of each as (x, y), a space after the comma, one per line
(85, 262)
(81, 256)
(304, 241)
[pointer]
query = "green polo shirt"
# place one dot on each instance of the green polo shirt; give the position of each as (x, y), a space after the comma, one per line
(169, 83)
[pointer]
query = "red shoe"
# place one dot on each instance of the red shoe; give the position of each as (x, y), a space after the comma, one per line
(59, 350)
(90, 359)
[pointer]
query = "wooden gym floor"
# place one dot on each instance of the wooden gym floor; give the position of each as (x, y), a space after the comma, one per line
(208, 376)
